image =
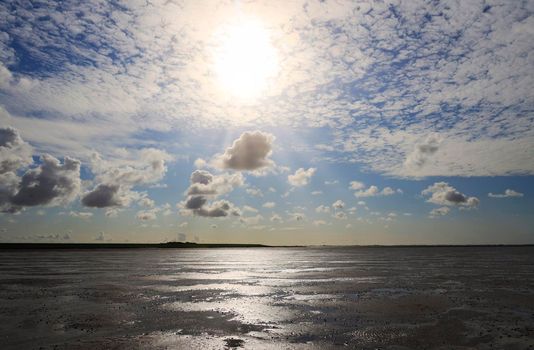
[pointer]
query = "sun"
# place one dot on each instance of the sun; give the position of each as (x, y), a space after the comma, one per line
(245, 61)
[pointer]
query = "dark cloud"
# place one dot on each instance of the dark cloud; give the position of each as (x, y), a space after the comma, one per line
(205, 186)
(251, 151)
(102, 196)
(52, 183)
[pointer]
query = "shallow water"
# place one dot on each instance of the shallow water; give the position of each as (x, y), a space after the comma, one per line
(289, 298)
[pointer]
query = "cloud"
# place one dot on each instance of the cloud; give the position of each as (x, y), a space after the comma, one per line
(81, 214)
(356, 185)
(269, 205)
(340, 215)
(339, 204)
(51, 183)
(146, 215)
(103, 196)
(116, 178)
(317, 193)
(507, 194)
(14, 152)
(276, 218)
(249, 209)
(319, 222)
(373, 191)
(205, 186)
(333, 182)
(441, 193)
(250, 152)
(322, 209)
(423, 152)
(216, 209)
(301, 177)
(441, 211)
(256, 192)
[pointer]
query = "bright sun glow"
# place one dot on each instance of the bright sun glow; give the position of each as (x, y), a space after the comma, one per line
(245, 59)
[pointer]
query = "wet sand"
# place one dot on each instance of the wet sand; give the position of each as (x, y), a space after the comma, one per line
(268, 298)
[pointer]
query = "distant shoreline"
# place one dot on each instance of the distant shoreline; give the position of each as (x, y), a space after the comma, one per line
(191, 245)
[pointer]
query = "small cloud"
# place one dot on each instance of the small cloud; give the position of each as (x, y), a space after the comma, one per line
(100, 237)
(507, 194)
(276, 218)
(317, 193)
(301, 177)
(322, 209)
(339, 204)
(439, 212)
(81, 214)
(250, 209)
(319, 222)
(373, 191)
(356, 185)
(332, 182)
(269, 205)
(255, 192)
(183, 224)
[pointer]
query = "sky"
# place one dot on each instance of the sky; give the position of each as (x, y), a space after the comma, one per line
(279, 122)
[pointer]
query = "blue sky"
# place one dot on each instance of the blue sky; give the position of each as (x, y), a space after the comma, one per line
(302, 123)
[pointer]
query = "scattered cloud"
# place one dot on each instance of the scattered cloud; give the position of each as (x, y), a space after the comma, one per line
(507, 194)
(301, 177)
(441, 193)
(269, 205)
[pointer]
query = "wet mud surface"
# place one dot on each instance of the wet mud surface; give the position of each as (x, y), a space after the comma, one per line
(265, 298)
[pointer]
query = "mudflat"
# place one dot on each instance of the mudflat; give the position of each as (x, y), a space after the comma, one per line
(264, 298)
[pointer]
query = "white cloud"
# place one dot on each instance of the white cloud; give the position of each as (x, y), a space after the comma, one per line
(316, 193)
(251, 152)
(269, 204)
(255, 192)
(441, 193)
(356, 185)
(322, 209)
(441, 211)
(508, 193)
(301, 177)
(373, 191)
(81, 214)
(339, 204)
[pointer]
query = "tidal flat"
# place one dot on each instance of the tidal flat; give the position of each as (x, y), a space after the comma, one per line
(268, 298)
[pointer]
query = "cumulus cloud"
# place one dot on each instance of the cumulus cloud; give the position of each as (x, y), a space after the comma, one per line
(507, 194)
(356, 185)
(15, 153)
(51, 183)
(301, 177)
(206, 186)
(322, 209)
(319, 222)
(117, 178)
(373, 191)
(269, 204)
(250, 152)
(441, 193)
(146, 215)
(339, 204)
(256, 192)
(340, 215)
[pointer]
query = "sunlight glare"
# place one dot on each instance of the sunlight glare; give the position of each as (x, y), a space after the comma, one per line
(245, 59)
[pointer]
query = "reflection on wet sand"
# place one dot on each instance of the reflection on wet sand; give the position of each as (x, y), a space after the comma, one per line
(398, 298)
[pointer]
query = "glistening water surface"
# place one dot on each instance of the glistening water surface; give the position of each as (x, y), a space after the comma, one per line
(263, 298)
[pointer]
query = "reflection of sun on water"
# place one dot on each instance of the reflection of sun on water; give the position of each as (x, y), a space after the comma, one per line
(245, 59)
